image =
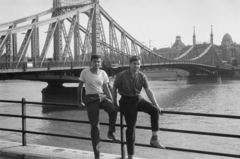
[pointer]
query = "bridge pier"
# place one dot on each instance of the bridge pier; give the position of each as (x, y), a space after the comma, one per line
(197, 79)
(57, 93)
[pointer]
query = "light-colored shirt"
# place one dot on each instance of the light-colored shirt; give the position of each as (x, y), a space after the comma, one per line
(94, 83)
(129, 86)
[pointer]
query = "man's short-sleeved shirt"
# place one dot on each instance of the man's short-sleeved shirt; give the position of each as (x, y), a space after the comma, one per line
(94, 83)
(129, 86)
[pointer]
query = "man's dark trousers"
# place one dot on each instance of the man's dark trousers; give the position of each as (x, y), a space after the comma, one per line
(93, 104)
(129, 107)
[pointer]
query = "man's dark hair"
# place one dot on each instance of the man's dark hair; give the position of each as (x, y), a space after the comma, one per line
(96, 56)
(134, 58)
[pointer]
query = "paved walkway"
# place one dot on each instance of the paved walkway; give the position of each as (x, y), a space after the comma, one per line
(13, 150)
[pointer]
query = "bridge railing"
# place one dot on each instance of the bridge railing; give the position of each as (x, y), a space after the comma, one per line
(24, 66)
(65, 65)
(24, 130)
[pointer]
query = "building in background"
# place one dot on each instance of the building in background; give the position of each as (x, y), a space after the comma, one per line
(228, 51)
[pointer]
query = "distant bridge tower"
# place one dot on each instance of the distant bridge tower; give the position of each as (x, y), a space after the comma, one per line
(194, 36)
(211, 35)
(95, 27)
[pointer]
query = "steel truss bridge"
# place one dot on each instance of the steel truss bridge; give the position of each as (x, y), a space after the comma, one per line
(73, 30)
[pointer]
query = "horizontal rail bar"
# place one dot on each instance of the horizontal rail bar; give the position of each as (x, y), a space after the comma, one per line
(164, 111)
(191, 132)
(200, 133)
(202, 114)
(55, 119)
(40, 103)
(204, 152)
(57, 135)
(10, 101)
(194, 151)
(10, 115)
(66, 136)
(13, 130)
(68, 120)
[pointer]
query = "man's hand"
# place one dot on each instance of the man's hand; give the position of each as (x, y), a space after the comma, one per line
(159, 108)
(116, 104)
(81, 105)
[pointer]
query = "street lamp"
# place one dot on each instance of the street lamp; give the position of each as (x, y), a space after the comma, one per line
(150, 44)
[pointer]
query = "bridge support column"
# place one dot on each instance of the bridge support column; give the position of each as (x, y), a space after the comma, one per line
(76, 40)
(57, 93)
(14, 45)
(35, 45)
(58, 45)
(9, 48)
(96, 28)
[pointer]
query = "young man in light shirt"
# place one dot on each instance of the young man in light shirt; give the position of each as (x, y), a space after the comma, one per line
(96, 86)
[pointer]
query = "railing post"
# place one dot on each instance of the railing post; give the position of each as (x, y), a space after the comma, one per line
(71, 62)
(23, 122)
(24, 66)
(122, 137)
(48, 65)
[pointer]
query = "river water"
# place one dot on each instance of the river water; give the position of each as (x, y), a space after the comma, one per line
(214, 98)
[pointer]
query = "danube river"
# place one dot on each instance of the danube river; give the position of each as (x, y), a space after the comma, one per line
(214, 98)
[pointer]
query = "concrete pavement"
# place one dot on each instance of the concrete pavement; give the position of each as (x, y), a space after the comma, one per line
(13, 150)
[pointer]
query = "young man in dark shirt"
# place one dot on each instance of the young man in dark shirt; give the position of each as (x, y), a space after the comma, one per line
(129, 84)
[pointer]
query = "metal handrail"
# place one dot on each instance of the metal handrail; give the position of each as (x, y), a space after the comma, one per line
(121, 125)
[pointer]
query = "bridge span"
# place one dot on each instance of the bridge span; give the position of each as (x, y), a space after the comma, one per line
(71, 45)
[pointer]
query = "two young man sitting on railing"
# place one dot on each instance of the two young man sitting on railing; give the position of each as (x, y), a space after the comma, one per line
(129, 84)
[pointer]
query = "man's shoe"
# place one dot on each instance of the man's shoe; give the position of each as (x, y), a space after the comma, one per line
(130, 157)
(97, 157)
(113, 137)
(157, 144)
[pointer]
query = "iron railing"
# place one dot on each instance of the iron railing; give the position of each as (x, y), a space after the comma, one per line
(24, 131)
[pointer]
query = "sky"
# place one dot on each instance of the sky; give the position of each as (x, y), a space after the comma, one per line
(155, 23)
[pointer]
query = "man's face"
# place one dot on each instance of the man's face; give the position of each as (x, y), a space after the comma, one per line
(96, 63)
(135, 65)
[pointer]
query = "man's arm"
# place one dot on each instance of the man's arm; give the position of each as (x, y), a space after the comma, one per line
(80, 102)
(107, 91)
(114, 94)
(152, 98)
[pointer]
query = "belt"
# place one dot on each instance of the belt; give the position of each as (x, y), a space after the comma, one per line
(130, 96)
(94, 95)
